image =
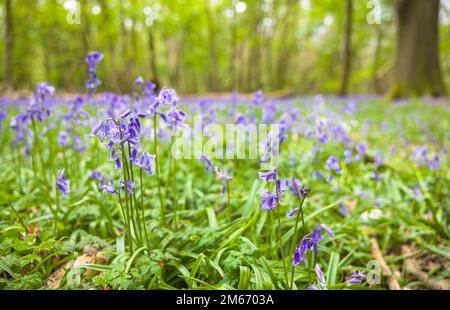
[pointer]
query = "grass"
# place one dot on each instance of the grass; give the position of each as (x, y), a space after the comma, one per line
(214, 241)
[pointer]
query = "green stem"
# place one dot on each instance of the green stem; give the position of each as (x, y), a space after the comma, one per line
(142, 210)
(133, 198)
(294, 235)
(230, 215)
(280, 239)
(57, 210)
(124, 160)
(175, 206)
(163, 210)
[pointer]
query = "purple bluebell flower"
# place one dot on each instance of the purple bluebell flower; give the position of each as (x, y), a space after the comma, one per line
(333, 164)
(63, 138)
(357, 278)
(361, 149)
(2, 117)
(343, 210)
(377, 176)
(208, 164)
(417, 191)
(268, 176)
(309, 242)
(146, 161)
(296, 188)
(168, 96)
(108, 189)
(268, 200)
(130, 186)
(118, 163)
(258, 98)
(291, 213)
(317, 175)
(327, 230)
(174, 118)
(92, 59)
(224, 177)
(433, 163)
(378, 157)
(348, 156)
(125, 113)
(300, 251)
(62, 183)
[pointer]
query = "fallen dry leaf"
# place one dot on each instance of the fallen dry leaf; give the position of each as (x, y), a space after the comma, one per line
(89, 257)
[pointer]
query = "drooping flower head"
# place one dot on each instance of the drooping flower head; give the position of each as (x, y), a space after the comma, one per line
(62, 183)
(268, 176)
(224, 177)
(208, 163)
(268, 200)
(146, 161)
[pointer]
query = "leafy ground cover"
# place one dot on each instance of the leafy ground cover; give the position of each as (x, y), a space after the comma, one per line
(92, 197)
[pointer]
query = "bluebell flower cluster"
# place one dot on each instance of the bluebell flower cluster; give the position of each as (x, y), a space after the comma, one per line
(310, 242)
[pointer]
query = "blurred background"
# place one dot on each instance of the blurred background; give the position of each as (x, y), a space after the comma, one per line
(396, 47)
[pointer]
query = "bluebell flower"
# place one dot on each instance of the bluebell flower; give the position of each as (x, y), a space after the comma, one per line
(174, 118)
(208, 163)
(434, 163)
(109, 189)
(224, 177)
(168, 96)
(309, 242)
(333, 164)
(268, 176)
(291, 213)
(62, 183)
(357, 278)
(377, 176)
(300, 251)
(130, 186)
(92, 59)
(146, 161)
(378, 157)
(63, 138)
(268, 200)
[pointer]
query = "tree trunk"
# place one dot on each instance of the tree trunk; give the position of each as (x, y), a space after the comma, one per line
(417, 67)
(212, 63)
(154, 67)
(346, 49)
(7, 74)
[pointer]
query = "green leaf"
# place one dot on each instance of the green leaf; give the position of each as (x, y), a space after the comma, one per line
(244, 278)
(332, 269)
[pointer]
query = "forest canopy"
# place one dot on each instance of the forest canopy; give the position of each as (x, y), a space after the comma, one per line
(293, 46)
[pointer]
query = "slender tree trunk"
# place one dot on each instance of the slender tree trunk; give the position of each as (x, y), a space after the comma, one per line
(153, 65)
(376, 60)
(346, 49)
(9, 40)
(212, 63)
(417, 68)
